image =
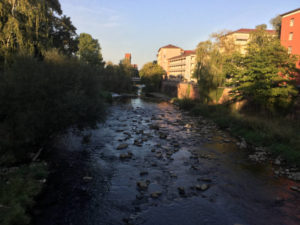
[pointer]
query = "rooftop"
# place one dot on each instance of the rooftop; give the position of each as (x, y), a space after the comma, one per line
(295, 10)
(169, 46)
(246, 31)
(184, 54)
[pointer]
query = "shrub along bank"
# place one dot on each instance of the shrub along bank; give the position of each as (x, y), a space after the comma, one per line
(40, 100)
(279, 135)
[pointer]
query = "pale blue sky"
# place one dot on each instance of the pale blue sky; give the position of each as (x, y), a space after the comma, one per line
(141, 27)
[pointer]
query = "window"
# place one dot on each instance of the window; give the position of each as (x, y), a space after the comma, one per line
(240, 39)
(291, 36)
(292, 22)
(290, 50)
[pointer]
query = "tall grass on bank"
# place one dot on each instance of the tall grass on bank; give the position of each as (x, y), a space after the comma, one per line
(279, 135)
(42, 99)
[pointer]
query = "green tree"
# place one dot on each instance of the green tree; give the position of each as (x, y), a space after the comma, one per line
(63, 34)
(117, 78)
(25, 24)
(209, 67)
(276, 24)
(89, 50)
(151, 75)
(264, 76)
(261, 26)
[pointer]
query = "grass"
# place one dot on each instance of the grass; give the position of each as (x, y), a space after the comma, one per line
(279, 135)
(18, 188)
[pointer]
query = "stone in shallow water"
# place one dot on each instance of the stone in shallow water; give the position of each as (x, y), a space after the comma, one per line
(142, 185)
(202, 187)
(294, 188)
(126, 156)
(87, 178)
(181, 190)
(156, 194)
(122, 146)
(143, 173)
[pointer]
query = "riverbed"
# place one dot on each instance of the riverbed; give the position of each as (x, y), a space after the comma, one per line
(150, 163)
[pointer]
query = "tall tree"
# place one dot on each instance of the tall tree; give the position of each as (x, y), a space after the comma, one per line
(276, 24)
(63, 34)
(89, 50)
(151, 75)
(209, 67)
(24, 25)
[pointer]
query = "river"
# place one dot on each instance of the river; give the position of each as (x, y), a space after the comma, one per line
(170, 169)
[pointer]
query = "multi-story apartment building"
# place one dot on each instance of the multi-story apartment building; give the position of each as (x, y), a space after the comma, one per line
(290, 34)
(240, 38)
(165, 53)
(183, 65)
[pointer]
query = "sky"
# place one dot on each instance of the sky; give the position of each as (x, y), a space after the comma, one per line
(141, 27)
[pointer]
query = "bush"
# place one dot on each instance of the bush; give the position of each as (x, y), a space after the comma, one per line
(185, 103)
(18, 187)
(117, 78)
(41, 99)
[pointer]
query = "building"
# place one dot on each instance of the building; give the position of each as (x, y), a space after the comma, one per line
(240, 38)
(290, 33)
(127, 58)
(182, 65)
(165, 53)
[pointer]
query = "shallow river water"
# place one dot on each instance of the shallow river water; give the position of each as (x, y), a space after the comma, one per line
(174, 170)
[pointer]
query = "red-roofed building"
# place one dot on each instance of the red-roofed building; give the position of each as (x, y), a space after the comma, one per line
(166, 52)
(241, 38)
(290, 33)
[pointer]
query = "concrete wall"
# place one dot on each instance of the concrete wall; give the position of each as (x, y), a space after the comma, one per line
(180, 89)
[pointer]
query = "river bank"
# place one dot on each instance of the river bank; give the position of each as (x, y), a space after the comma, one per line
(267, 140)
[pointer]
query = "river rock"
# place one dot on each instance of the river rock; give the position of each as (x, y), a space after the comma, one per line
(126, 156)
(138, 143)
(158, 155)
(243, 144)
(202, 187)
(181, 190)
(142, 185)
(162, 135)
(204, 179)
(294, 188)
(295, 176)
(156, 194)
(143, 173)
(122, 146)
(87, 178)
(154, 127)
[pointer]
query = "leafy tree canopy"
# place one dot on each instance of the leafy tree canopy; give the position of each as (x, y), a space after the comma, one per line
(264, 76)
(276, 24)
(151, 75)
(89, 50)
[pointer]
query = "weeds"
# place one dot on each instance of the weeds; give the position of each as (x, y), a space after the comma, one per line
(278, 134)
